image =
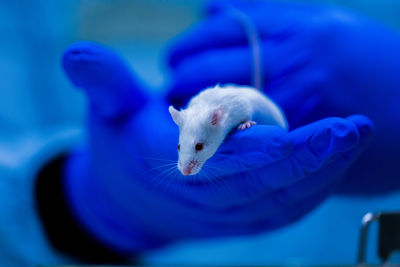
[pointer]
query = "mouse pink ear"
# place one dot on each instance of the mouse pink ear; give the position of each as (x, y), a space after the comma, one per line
(217, 116)
(176, 115)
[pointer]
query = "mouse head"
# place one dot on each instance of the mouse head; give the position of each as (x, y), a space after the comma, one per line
(200, 134)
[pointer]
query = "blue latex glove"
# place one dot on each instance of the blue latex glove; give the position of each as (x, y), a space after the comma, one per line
(125, 189)
(318, 62)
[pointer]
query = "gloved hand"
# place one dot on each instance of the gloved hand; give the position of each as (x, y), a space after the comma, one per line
(317, 62)
(125, 189)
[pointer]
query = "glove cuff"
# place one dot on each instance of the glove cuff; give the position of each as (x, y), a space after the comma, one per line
(98, 213)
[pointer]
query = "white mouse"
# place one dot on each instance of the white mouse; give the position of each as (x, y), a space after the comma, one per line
(212, 114)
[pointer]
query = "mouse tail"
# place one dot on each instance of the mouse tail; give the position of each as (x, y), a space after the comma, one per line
(254, 42)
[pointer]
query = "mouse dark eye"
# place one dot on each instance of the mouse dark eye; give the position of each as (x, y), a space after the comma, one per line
(199, 146)
(179, 147)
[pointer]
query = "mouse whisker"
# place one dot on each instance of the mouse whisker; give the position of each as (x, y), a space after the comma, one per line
(162, 175)
(166, 172)
(207, 174)
(217, 171)
(154, 169)
(160, 159)
(167, 182)
(204, 181)
(172, 181)
(216, 178)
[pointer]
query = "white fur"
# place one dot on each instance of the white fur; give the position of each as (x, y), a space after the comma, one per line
(231, 105)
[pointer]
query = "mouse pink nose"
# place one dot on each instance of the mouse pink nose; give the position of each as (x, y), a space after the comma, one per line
(187, 170)
(190, 167)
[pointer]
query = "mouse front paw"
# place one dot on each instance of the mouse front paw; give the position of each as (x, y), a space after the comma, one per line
(247, 124)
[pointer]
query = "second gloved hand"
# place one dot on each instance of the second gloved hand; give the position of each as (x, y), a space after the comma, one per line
(318, 61)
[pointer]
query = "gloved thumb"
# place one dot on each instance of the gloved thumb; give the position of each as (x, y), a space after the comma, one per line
(113, 89)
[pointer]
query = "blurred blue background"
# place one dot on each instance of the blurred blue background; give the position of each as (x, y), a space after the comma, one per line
(35, 95)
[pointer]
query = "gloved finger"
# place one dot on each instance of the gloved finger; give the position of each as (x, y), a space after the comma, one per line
(330, 176)
(313, 188)
(230, 65)
(299, 92)
(274, 21)
(269, 210)
(318, 185)
(251, 149)
(303, 196)
(274, 211)
(367, 134)
(366, 129)
(113, 89)
(266, 212)
(316, 145)
(205, 35)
